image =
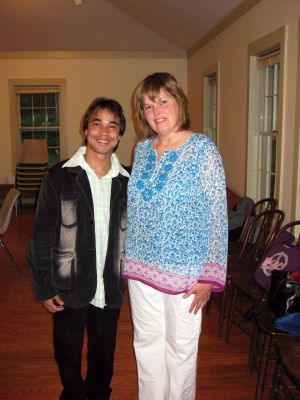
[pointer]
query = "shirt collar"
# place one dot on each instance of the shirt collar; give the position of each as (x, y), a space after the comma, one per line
(78, 160)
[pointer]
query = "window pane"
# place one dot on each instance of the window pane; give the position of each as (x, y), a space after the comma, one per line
(275, 120)
(272, 186)
(51, 99)
(52, 117)
(39, 100)
(273, 155)
(53, 139)
(263, 187)
(39, 135)
(26, 117)
(269, 81)
(25, 100)
(269, 114)
(264, 152)
(39, 117)
(54, 157)
(26, 135)
(276, 78)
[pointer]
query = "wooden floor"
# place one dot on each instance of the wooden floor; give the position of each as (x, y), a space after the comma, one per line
(27, 368)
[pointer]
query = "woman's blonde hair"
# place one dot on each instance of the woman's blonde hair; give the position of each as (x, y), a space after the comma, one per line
(150, 87)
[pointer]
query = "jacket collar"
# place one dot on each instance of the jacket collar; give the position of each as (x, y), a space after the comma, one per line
(78, 159)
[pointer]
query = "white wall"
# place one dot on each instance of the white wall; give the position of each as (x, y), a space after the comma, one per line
(85, 80)
(230, 48)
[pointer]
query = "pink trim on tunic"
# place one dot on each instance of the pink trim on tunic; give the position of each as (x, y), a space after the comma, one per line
(170, 283)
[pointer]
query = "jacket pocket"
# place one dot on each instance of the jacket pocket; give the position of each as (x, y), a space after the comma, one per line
(63, 269)
(68, 204)
(69, 224)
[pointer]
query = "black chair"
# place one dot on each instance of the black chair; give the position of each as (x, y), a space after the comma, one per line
(286, 379)
(238, 248)
(240, 281)
(253, 238)
(264, 336)
(265, 343)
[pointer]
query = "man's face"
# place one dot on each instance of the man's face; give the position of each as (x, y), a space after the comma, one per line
(103, 132)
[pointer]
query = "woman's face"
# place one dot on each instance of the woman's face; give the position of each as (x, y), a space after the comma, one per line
(162, 113)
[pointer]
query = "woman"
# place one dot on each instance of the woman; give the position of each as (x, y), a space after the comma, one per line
(176, 246)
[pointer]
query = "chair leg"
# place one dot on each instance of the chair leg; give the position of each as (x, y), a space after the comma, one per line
(277, 377)
(253, 349)
(223, 314)
(231, 315)
(263, 367)
(208, 305)
(3, 246)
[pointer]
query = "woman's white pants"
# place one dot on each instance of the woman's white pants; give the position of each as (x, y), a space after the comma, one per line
(165, 342)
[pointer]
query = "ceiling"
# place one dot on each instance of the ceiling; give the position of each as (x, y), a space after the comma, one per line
(109, 25)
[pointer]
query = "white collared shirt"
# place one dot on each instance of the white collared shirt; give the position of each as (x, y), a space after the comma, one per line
(101, 190)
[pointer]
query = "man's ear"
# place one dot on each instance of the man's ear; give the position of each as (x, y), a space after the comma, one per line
(85, 137)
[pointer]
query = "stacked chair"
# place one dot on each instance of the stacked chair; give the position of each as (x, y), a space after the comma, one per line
(240, 250)
(270, 345)
(239, 247)
(286, 378)
(32, 167)
(259, 237)
(257, 234)
(6, 209)
(273, 354)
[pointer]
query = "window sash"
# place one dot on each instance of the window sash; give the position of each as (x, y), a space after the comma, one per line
(42, 129)
(267, 125)
(210, 100)
(36, 89)
(267, 144)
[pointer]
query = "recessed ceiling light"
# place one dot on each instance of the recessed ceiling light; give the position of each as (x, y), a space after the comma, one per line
(78, 2)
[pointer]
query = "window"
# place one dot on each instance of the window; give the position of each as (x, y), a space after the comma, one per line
(210, 101)
(265, 116)
(210, 106)
(267, 122)
(38, 117)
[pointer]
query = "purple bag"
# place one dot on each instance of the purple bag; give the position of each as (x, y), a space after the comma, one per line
(281, 256)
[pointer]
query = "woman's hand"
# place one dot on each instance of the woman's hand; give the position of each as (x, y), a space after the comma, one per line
(53, 305)
(202, 293)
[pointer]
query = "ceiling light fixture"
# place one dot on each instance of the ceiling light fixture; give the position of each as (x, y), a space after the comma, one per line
(77, 2)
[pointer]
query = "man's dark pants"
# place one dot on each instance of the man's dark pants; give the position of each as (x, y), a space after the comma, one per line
(69, 327)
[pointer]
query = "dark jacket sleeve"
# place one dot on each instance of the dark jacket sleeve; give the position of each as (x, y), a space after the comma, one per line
(46, 222)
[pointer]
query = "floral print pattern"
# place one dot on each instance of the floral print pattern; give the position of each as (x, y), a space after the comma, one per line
(177, 217)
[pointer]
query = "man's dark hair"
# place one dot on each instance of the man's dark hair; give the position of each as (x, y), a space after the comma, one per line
(102, 103)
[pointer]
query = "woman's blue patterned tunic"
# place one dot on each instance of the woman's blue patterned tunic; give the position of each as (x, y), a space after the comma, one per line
(177, 217)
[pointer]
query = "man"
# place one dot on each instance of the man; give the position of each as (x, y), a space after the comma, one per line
(76, 249)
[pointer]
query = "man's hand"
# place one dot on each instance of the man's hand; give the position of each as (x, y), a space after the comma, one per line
(202, 293)
(54, 305)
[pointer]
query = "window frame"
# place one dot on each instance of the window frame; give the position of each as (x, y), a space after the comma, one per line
(268, 78)
(211, 109)
(38, 84)
(273, 40)
(34, 129)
